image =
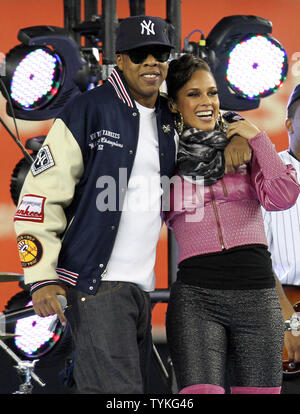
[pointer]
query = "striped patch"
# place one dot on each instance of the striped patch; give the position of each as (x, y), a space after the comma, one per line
(67, 276)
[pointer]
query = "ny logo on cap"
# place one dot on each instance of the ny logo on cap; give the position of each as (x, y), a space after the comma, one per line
(147, 26)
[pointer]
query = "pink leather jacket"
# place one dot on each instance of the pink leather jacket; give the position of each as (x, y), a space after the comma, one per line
(228, 213)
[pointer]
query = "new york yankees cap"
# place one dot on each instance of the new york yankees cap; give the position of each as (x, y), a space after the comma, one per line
(294, 95)
(138, 31)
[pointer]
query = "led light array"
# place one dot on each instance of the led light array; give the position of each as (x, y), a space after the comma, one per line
(33, 337)
(256, 67)
(36, 79)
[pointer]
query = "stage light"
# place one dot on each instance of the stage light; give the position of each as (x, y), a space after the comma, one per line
(36, 77)
(34, 336)
(46, 71)
(256, 67)
(248, 64)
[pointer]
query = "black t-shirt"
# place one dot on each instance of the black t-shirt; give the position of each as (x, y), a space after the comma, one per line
(243, 267)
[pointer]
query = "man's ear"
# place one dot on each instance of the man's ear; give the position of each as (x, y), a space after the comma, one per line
(119, 61)
(289, 125)
(172, 106)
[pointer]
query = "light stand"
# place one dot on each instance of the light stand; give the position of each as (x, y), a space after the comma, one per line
(25, 370)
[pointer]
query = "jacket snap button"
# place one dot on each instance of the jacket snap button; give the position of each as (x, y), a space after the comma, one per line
(134, 114)
(91, 287)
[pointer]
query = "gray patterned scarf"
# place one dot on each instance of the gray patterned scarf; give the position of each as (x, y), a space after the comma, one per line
(201, 153)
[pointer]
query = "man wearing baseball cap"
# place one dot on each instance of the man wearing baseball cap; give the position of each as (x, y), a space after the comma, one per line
(283, 234)
(138, 38)
(95, 228)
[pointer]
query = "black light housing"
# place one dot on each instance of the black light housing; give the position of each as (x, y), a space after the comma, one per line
(248, 64)
(36, 75)
(44, 72)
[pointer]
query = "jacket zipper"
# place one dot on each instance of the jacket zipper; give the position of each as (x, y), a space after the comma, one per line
(217, 217)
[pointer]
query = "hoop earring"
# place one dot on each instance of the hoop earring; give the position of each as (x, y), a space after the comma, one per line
(179, 123)
(222, 123)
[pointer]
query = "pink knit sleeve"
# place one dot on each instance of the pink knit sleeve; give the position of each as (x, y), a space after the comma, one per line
(275, 183)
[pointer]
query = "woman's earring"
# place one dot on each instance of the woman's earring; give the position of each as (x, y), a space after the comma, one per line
(178, 118)
(222, 123)
(179, 123)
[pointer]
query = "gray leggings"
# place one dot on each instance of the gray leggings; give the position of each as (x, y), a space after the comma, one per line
(229, 338)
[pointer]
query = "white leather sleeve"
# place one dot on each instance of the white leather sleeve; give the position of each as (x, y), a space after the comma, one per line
(47, 190)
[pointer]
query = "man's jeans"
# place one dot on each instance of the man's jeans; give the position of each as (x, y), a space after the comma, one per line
(112, 338)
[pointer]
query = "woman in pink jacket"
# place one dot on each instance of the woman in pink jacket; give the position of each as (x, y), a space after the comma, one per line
(224, 323)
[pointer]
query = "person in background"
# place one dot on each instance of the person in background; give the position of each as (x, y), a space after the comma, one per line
(224, 323)
(283, 235)
(80, 231)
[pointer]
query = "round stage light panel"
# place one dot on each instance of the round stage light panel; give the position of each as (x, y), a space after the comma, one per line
(36, 79)
(257, 67)
(34, 335)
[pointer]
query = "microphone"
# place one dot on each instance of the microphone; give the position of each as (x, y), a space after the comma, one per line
(63, 303)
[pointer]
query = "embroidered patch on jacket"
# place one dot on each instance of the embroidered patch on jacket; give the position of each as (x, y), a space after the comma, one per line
(31, 208)
(30, 250)
(43, 161)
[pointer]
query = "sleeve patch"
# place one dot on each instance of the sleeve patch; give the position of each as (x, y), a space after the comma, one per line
(43, 161)
(30, 250)
(31, 208)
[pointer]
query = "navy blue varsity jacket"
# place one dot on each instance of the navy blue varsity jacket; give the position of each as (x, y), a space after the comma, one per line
(62, 234)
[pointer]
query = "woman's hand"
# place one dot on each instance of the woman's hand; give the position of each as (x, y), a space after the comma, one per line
(236, 153)
(244, 129)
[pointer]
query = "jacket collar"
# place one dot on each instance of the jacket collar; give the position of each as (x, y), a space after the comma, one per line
(117, 80)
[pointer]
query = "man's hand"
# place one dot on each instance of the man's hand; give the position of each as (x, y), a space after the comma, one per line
(45, 302)
(236, 153)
